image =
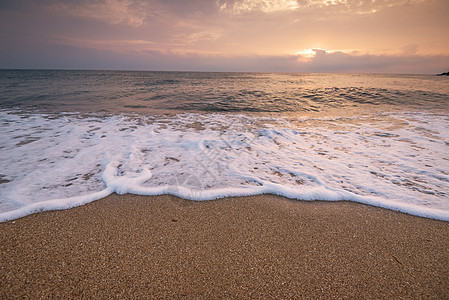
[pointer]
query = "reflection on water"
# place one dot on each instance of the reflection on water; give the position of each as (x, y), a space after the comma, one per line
(151, 92)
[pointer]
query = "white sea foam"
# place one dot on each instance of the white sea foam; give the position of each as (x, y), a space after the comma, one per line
(398, 161)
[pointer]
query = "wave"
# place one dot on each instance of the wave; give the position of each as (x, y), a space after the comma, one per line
(150, 92)
(392, 160)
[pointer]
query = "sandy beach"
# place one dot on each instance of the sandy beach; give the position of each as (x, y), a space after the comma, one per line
(244, 247)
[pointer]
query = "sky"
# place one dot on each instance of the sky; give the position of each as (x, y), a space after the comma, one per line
(351, 36)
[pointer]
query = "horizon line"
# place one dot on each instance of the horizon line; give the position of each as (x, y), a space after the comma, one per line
(198, 71)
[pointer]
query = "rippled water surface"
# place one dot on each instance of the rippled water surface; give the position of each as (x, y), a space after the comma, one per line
(150, 92)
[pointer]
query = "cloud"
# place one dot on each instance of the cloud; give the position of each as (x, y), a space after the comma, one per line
(266, 6)
(79, 57)
(338, 61)
(300, 6)
(404, 36)
(128, 12)
(410, 49)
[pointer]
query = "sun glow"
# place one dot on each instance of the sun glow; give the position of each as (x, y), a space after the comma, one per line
(309, 54)
(306, 53)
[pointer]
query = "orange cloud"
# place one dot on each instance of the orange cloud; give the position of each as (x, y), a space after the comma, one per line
(226, 31)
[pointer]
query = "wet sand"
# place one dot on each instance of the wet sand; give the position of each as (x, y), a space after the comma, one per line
(251, 247)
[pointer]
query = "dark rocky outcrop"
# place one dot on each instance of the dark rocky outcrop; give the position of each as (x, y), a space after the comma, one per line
(443, 74)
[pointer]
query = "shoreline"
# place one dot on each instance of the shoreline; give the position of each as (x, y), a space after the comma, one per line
(128, 246)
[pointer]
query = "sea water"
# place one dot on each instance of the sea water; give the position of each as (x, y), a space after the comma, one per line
(71, 137)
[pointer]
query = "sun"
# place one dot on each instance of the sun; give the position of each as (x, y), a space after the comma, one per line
(306, 53)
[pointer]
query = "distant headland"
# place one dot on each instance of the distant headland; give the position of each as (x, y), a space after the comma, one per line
(443, 74)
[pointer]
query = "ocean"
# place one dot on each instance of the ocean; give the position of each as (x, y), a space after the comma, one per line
(71, 137)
